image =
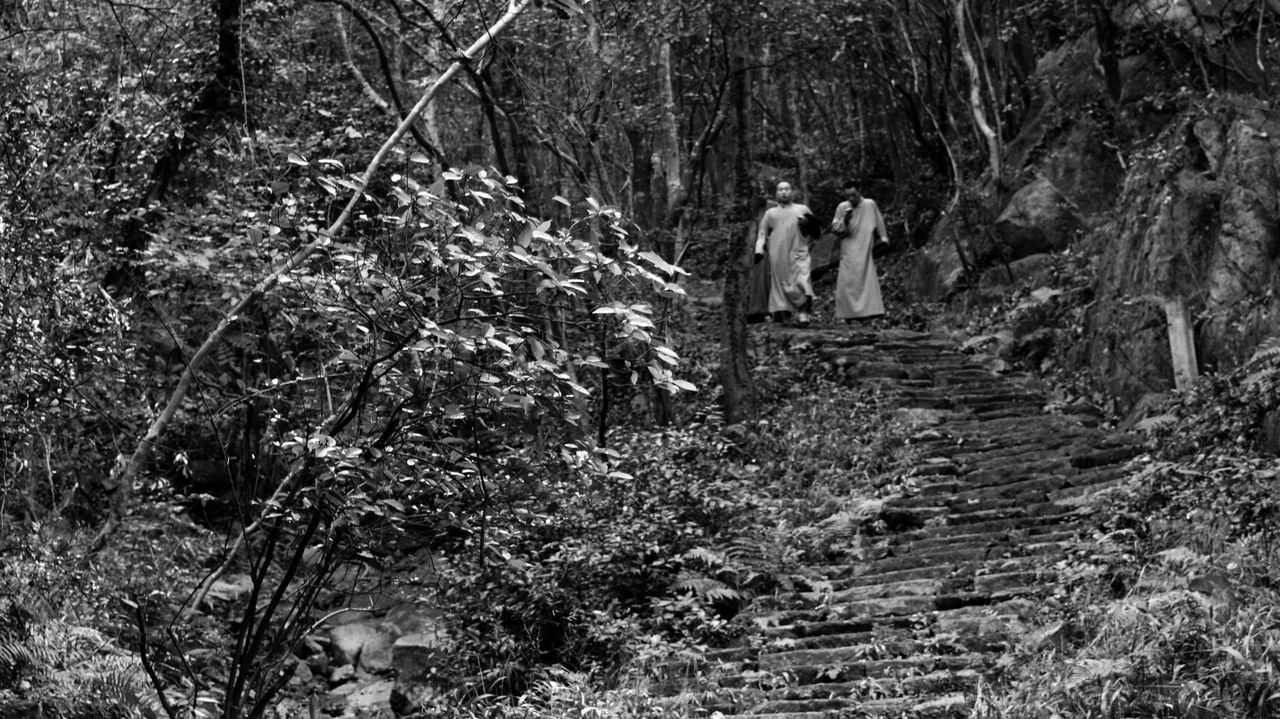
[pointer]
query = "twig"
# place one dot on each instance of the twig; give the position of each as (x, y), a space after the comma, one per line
(146, 661)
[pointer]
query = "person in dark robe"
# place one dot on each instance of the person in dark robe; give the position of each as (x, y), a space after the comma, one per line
(758, 280)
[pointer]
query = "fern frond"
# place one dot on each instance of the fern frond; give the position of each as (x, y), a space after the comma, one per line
(1267, 351)
(705, 587)
(16, 662)
(706, 557)
(1263, 375)
(743, 551)
(1092, 670)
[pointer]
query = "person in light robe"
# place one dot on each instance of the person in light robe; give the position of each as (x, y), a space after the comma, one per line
(860, 227)
(790, 291)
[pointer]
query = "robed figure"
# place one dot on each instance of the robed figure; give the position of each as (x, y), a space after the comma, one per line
(788, 254)
(860, 226)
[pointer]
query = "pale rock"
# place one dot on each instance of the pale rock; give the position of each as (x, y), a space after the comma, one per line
(365, 644)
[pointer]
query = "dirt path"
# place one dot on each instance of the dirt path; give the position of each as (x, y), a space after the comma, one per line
(917, 620)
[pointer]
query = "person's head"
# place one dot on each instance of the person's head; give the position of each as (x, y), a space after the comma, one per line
(784, 192)
(810, 225)
(851, 191)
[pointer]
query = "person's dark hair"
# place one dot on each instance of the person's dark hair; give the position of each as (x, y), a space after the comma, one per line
(810, 225)
(849, 184)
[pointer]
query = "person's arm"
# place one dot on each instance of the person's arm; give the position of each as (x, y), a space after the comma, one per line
(761, 235)
(840, 222)
(880, 228)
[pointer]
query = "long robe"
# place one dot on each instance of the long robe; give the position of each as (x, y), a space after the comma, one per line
(788, 250)
(758, 291)
(857, 287)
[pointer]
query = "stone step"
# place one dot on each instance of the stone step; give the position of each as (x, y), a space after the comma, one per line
(854, 694)
(997, 525)
(885, 641)
(931, 682)
(897, 607)
(915, 617)
(991, 538)
(935, 707)
(906, 567)
(998, 485)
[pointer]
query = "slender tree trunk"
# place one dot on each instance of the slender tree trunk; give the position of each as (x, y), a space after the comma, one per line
(739, 389)
(513, 104)
(219, 101)
(797, 130)
(669, 148)
(975, 93)
(435, 56)
(1108, 52)
(642, 172)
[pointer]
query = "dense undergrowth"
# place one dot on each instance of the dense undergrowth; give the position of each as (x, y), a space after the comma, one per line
(1167, 607)
(611, 592)
(583, 593)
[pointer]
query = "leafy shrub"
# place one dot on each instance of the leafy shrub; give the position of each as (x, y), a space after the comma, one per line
(1169, 610)
(1234, 411)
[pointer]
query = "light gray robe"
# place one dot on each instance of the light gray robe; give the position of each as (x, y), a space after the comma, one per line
(857, 288)
(779, 234)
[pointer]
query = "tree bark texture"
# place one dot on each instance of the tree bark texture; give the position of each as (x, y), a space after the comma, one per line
(737, 385)
(976, 107)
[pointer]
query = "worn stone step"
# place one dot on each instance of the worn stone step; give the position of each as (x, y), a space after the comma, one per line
(1012, 535)
(1055, 476)
(896, 607)
(1033, 525)
(860, 694)
(928, 683)
(970, 450)
(977, 515)
(887, 640)
(866, 575)
(954, 704)
(987, 622)
(918, 566)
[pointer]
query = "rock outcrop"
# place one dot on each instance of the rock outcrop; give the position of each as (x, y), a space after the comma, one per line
(1156, 156)
(1197, 221)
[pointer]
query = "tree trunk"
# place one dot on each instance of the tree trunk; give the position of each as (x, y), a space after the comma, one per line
(669, 152)
(642, 172)
(975, 93)
(797, 130)
(740, 396)
(220, 100)
(1108, 50)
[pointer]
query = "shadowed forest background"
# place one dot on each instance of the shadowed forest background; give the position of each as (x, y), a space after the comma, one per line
(397, 345)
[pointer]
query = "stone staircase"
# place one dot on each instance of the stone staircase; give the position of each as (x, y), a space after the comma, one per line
(913, 623)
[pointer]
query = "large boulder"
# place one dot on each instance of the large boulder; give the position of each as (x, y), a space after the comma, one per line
(373, 643)
(1038, 219)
